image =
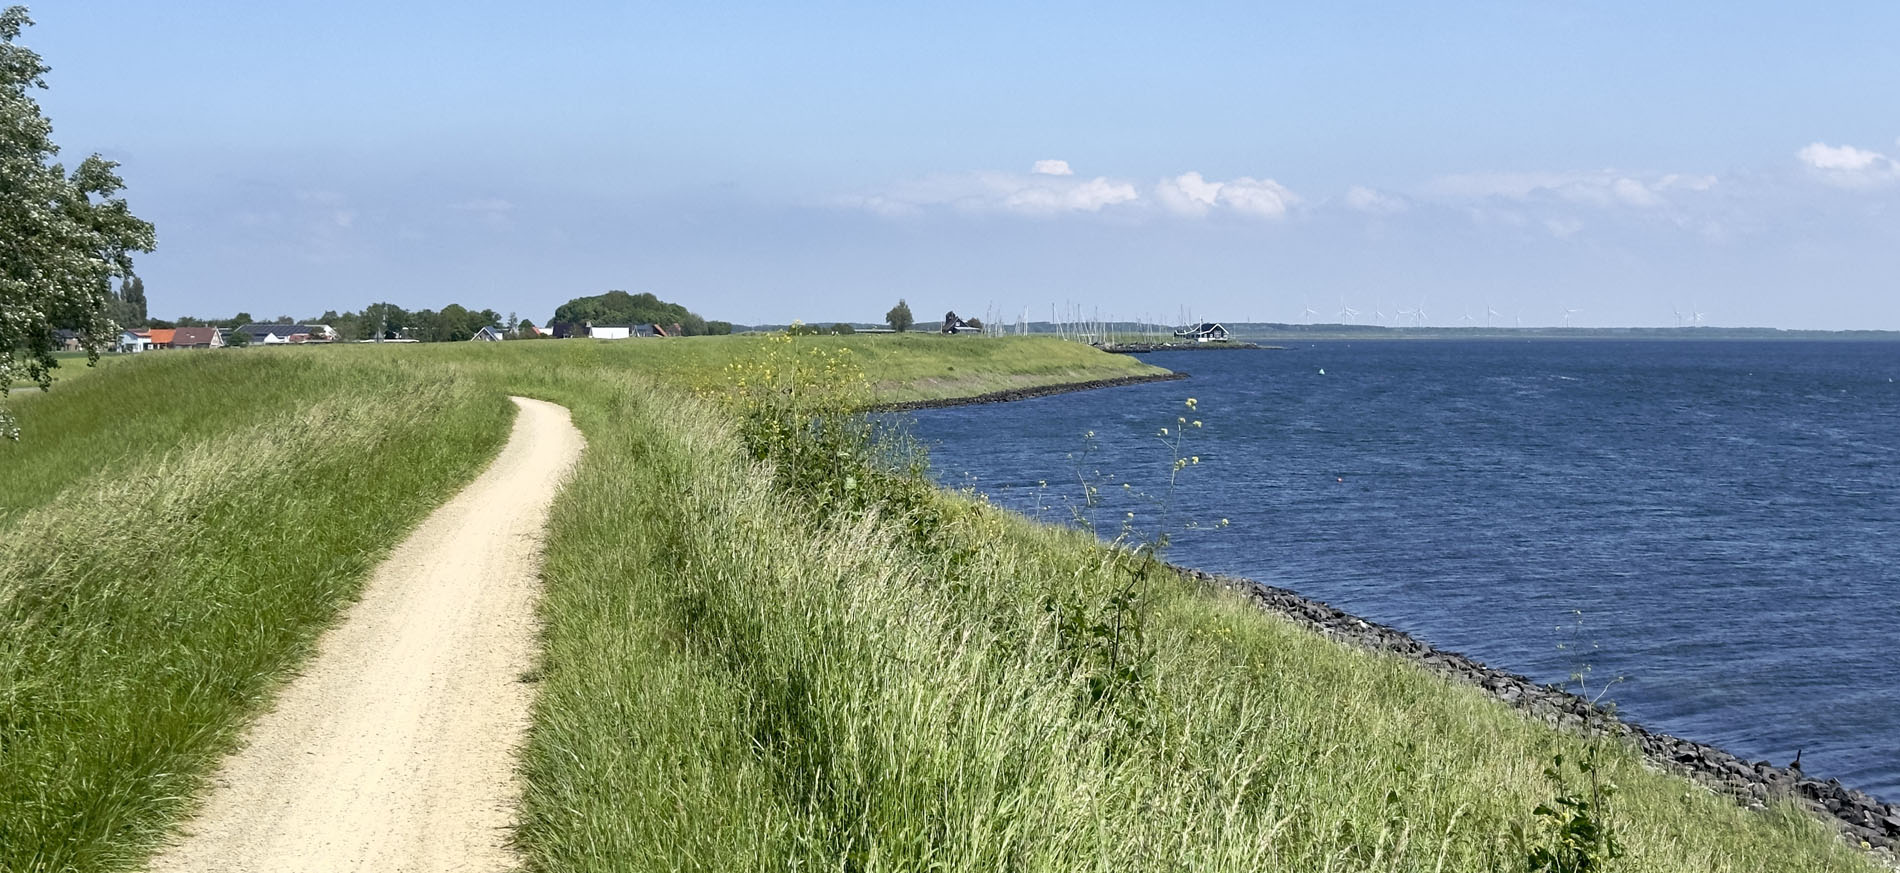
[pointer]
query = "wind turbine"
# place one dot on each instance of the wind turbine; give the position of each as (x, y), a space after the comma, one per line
(1678, 313)
(1568, 313)
(1467, 318)
(1346, 313)
(1697, 316)
(1418, 315)
(1489, 313)
(1308, 312)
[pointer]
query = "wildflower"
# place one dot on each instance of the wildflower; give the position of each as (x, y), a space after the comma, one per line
(1195, 459)
(1197, 422)
(1164, 431)
(1191, 402)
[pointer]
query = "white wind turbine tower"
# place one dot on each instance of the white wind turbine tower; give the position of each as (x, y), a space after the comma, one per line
(1418, 315)
(1697, 316)
(1569, 312)
(1490, 313)
(1467, 318)
(1308, 312)
(1678, 312)
(1346, 313)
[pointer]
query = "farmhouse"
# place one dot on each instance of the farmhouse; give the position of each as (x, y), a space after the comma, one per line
(488, 334)
(134, 341)
(1205, 332)
(197, 338)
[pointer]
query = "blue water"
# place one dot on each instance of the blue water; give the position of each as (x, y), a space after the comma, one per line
(1725, 515)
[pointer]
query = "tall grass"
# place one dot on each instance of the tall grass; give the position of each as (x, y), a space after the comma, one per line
(758, 655)
(147, 606)
(742, 676)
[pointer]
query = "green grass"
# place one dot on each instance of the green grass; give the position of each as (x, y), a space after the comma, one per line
(737, 675)
(732, 683)
(69, 366)
(180, 530)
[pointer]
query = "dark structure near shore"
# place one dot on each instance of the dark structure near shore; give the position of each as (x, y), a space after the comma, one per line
(1861, 817)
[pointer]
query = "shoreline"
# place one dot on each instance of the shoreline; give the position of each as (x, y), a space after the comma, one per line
(1861, 817)
(1027, 393)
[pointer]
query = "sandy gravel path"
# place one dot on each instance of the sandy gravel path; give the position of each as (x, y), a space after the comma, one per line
(394, 750)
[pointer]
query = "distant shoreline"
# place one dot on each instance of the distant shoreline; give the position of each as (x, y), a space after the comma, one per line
(1026, 393)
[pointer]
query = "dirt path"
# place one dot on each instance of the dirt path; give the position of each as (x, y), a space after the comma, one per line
(394, 749)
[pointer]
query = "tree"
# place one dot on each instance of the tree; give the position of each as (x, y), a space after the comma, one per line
(65, 237)
(524, 329)
(619, 307)
(718, 328)
(899, 317)
(843, 329)
(974, 322)
(236, 339)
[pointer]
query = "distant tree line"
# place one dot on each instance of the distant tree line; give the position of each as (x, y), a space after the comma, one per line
(452, 323)
(619, 307)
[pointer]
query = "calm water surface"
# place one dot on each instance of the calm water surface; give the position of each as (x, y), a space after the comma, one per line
(1725, 515)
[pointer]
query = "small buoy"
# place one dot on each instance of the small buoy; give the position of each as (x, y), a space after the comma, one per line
(1340, 480)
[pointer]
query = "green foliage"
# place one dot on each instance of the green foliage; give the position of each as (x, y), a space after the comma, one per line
(161, 573)
(899, 318)
(66, 237)
(843, 329)
(619, 307)
(718, 328)
(237, 339)
(1573, 832)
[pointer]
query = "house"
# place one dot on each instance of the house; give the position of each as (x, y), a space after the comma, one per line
(488, 334)
(133, 341)
(66, 340)
(1205, 332)
(197, 338)
(280, 334)
(565, 330)
(162, 337)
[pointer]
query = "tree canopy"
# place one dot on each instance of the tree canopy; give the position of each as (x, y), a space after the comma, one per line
(66, 237)
(899, 318)
(619, 307)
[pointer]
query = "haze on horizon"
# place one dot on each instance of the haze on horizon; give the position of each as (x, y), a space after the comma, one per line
(761, 163)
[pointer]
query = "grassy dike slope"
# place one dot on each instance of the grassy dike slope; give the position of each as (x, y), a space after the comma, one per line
(751, 667)
(753, 663)
(176, 529)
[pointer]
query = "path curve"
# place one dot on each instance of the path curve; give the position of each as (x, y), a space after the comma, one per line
(394, 749)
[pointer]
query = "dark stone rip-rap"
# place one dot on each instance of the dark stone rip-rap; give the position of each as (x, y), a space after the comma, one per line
(1861, 817)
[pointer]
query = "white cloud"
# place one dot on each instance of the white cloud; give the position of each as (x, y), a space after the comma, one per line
(1053, 168)
(1046, 193)
(979, 192)
(1191, 194)
(1601, 189)
(1849, 167)
(1368, 200)
(1090, 196)
(493, 211)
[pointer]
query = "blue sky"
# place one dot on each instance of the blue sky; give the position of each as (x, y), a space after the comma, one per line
(767, 162)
